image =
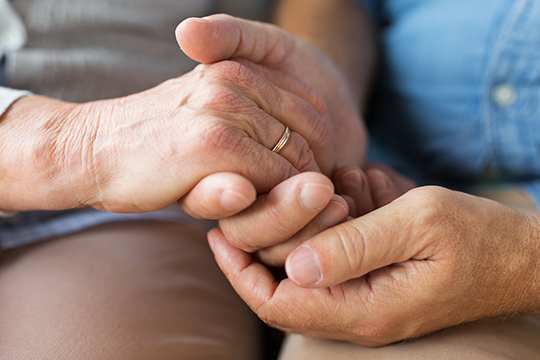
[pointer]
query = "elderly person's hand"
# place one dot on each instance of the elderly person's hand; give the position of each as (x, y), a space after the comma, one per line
(145, 151)
(221, 37)
(431, 259)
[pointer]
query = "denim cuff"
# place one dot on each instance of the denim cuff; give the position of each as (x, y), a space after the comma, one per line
(533, 190)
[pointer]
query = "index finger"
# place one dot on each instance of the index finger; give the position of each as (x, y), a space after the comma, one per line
(286, 306)
(256, 285)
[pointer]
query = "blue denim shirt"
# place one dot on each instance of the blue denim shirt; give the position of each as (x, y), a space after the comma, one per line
(458, 98)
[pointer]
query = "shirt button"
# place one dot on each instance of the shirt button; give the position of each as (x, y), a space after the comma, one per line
(504, 94)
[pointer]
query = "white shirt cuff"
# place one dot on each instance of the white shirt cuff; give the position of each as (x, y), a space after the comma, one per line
(4, 214)
(8, 96)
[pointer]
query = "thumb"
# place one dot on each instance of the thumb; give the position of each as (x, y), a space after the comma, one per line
(354, 248)
(220, 37)
(218, 196)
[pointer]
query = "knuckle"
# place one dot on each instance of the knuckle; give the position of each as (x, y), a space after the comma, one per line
(220, 97)
(429, 195)
(431, 202)
(217, 136)
(200, 68)
(278, 219)
(305, 159)
(353, 245)
(306, 92)
(229, 87)
(267, 318)
(318, 102)
(234, 235)
(250, 65)
(229, 70)
(320, 135)
(437, 220)
(279, 313)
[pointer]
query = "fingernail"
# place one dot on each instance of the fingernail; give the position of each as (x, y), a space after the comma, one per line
(352, 184)
(233, 200)
(199, 20)
(378, 183)
(303, 267)
(315, 196)
(333, 214)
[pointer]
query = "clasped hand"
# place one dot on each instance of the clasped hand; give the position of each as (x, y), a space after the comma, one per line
(412, 264)
(431, 259)
(145, 151)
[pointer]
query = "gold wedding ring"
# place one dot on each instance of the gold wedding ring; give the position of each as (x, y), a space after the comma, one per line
(283, 141)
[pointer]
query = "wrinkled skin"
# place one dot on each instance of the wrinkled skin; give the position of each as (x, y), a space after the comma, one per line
(221, 37)
(145, 151)
(431, 259)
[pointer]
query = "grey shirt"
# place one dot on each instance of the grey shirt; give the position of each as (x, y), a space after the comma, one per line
(81, 50)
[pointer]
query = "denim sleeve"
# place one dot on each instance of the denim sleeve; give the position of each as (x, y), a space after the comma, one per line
(370, 5)
(533, 190)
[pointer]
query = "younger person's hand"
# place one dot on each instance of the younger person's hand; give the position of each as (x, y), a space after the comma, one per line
(431, 259)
